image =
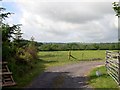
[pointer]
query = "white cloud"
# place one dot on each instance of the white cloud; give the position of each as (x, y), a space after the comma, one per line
(68, 22)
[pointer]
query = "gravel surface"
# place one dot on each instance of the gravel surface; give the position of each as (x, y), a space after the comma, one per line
(67, 76)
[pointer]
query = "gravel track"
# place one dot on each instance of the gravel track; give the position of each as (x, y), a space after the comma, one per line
(67, 76)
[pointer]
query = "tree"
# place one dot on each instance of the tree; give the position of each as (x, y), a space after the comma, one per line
(116, 7)
(6, 34)
(18, 36)
(32, 49)
(96, 46)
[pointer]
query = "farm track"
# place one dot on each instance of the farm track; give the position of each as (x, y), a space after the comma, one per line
(67, 76)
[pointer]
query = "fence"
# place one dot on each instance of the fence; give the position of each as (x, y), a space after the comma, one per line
(113, 65)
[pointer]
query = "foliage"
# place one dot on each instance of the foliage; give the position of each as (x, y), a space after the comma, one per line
(7, 32)
(27, 54)
(19, 54)
(3, 16)
(17, 37)
(32, 49)
(78, 46)
(116, 7)
(23, 74)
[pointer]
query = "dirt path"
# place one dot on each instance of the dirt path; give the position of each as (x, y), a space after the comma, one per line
(68, 76)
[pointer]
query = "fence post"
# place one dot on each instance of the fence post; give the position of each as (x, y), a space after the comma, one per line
(69, 54)
(119, 66)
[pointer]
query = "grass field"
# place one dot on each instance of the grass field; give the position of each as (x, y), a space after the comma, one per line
(61, 57)
(103, 81)
(56, 58)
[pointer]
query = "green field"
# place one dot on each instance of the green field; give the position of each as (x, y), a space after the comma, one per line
(61, 57)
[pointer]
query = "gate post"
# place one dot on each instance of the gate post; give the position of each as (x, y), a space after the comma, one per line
(106, 61)
(119, 66)
(69, 54)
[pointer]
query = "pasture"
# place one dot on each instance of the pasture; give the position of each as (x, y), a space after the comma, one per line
(55, 58)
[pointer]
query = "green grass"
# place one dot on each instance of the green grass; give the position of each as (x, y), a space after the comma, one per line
(61, 57)
(55, 58)
(103, 81)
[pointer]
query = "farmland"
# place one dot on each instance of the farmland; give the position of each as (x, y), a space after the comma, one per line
(61, 57)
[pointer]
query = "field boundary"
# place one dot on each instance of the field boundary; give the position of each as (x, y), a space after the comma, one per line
(113, 65)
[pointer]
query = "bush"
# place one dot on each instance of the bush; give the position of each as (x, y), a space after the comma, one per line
(32, 50)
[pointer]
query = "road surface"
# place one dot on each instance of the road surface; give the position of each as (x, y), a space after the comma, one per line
(67, 76)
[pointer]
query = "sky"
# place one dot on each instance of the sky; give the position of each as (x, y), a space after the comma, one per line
(87, 21)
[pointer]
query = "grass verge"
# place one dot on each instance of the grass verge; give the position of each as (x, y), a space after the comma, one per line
(103, 81)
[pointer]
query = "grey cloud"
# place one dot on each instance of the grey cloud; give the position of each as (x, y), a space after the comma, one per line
(65, 22)
(75, 12)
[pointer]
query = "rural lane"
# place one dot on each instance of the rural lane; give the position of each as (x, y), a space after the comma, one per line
(67, 76)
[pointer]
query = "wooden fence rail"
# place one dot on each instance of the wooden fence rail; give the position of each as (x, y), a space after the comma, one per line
(113, 65)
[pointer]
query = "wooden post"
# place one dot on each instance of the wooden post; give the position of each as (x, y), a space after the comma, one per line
(69, 55)
(119, 66)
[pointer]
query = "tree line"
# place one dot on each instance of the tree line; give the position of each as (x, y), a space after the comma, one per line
(72, 46)
(77, 46)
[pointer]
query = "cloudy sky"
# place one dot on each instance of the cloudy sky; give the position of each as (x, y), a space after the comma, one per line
(65, 20)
